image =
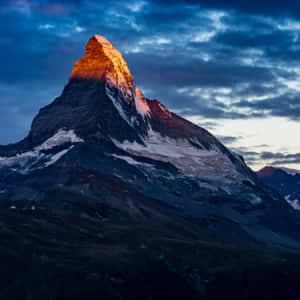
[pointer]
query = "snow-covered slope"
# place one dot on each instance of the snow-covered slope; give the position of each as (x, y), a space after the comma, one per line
(43, 155)
(188, 155)
(141, 103)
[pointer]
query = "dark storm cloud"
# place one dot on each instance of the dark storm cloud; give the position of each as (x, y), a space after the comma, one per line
(276, 40)
(208, 125)
(287, 105)
(184, 71)
(268, 157)
(255, 40)
(267, 7)
(228, 140)
(281, 158)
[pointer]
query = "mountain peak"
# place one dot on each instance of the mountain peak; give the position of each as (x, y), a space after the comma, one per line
(102, 40)
(103, 62)
(266, 171)
(269, 171)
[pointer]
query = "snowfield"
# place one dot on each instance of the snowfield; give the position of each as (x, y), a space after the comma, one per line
(294, 203)
(30, 160)
(191, 160)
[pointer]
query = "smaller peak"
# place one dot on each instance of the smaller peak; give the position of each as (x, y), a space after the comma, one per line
(266, 171)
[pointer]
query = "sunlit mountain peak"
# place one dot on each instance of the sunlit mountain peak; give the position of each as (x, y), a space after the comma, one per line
(103, 62)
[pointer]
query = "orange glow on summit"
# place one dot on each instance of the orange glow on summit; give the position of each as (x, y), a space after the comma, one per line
(103, 62)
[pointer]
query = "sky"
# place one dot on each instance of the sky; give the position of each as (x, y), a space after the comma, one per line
(232, 67)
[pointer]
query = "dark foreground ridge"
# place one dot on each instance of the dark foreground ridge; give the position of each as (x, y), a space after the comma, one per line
(113, 196)
(48, 254)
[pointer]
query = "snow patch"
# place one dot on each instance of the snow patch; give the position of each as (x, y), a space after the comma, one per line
(190, 159)
(130, 160)
(162, 108)
(29, 160)
(61, 137)
(57, 156)
(141, 103)
(294, 203)
(254, 199)
(164, 146)
(117, 105)
(208, 186)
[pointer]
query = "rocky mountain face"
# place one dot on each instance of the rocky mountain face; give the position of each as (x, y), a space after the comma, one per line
(285, 181)
(107, 175)
(103, 126)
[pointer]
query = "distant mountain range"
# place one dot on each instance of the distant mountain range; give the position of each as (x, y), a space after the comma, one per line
(111, 193)
(285, 181)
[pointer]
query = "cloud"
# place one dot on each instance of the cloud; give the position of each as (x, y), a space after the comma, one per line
(268, 158)
(228, 140)
(286, 105)
(211, 59)
(53, 9)
(265, 8)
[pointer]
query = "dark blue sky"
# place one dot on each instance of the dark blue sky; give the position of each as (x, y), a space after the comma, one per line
(231, 66)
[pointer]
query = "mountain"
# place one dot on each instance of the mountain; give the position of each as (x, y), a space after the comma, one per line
(111, 193)
(285, 181)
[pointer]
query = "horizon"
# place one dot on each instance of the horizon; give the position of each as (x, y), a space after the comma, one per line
(232, 68)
